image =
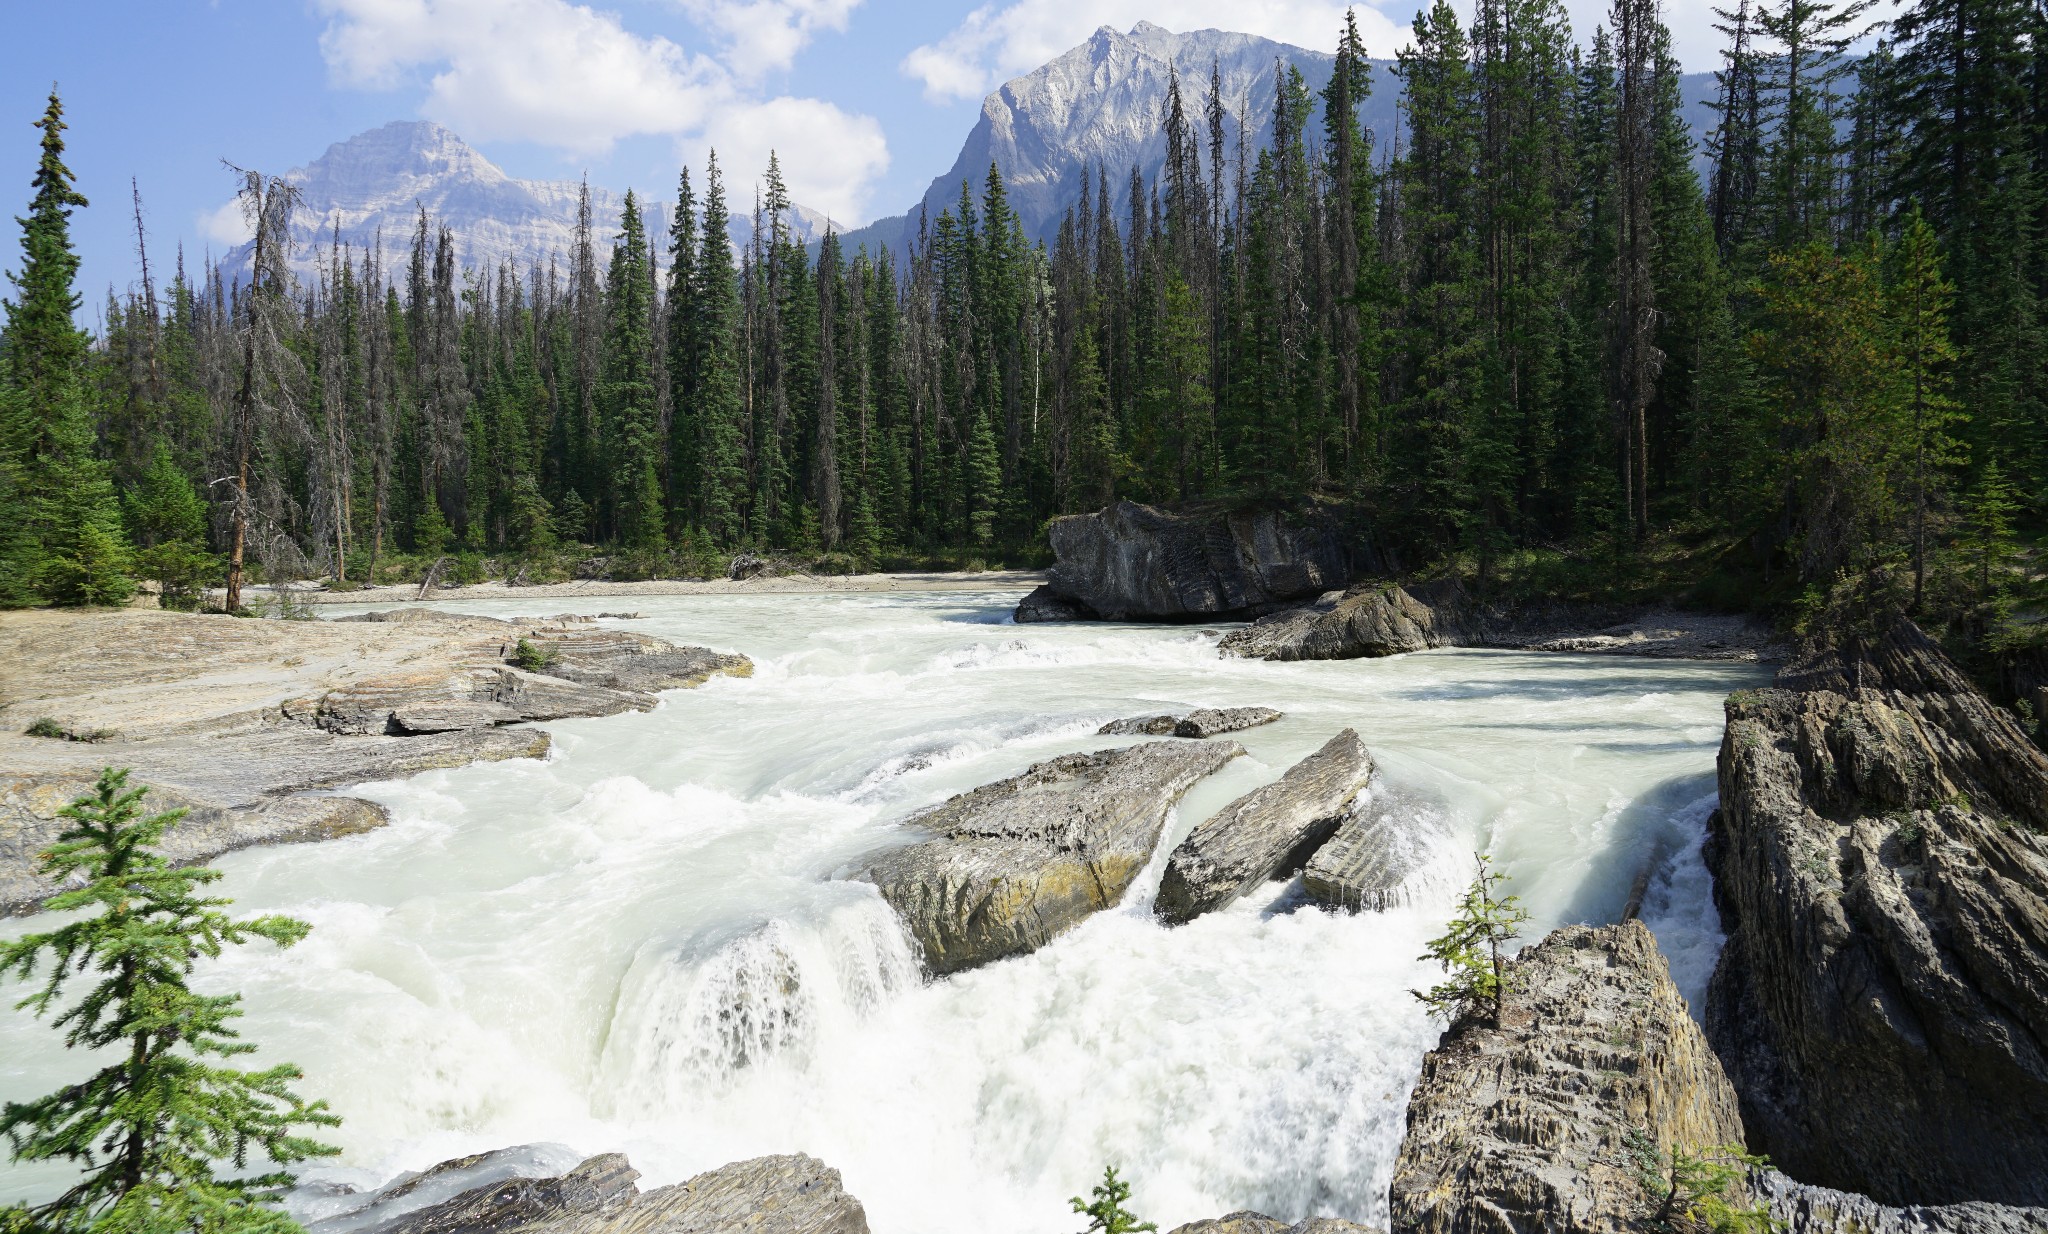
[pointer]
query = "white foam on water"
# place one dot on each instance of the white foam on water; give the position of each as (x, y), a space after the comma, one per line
(641, 944)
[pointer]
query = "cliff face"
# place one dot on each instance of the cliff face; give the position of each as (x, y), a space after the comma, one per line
(1880, 867)
(1529, 1126)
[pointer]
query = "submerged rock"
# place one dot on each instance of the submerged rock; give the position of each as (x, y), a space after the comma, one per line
(791, 1194)
(1384, 853)
(1257, 1223)
(1268, 832)
(1881, 872)
(1131, 562)
(1202, 722)
(1015, 863)
(1535, 1125)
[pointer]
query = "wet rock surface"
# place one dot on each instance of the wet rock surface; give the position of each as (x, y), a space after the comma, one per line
(1386, 852)
(1269, 831)
(1011, 865)
(1384, 619)
(1817, 1210)
(1257, 1223)
(1881, 872)
(1202, 722)
(790, 1194)
(1528, 1126)
(237, 720)
(1131, 562)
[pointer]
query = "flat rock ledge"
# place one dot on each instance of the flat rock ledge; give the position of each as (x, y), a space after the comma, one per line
(1372, 620)
(1270, 831)
(1201, 722)
(1131, 562)
(791, 1194)
(1013, 864)
(238, 721)
(1528, 1126)
(1881, 869)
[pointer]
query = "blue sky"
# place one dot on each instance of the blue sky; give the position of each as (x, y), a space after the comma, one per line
(865, 100)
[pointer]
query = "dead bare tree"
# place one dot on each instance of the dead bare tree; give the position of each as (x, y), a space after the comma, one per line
(265, 391)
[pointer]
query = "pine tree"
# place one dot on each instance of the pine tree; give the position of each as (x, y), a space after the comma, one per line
(630, 428)
(721, 484)
(148, 1129)
(63, 539)
(1105, 1209)
(1469, 950)
(1920, 304)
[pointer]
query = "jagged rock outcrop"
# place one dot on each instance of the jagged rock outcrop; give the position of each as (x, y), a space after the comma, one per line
(1528, 1126)
(1258, 1223)
(1138, 563)
(1881, 872)
(235, 720)
(1269, 831)
(1015, 863)
(790, 1194)
(1201, 722)
(1384, 854)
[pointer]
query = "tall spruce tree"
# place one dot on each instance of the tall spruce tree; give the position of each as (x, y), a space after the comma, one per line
(60, 526)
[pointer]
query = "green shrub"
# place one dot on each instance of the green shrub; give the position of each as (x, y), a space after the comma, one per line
(1692, 1190)
(46, 727)
(532, 657)
(835, 563)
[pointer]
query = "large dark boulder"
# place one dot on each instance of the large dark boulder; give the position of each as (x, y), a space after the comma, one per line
(1131, 562)
(1881, 872)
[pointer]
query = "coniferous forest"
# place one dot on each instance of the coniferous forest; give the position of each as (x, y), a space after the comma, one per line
(1523, 338)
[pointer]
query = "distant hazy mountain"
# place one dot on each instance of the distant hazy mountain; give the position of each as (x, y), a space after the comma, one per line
(377, 181)
(1103, 103)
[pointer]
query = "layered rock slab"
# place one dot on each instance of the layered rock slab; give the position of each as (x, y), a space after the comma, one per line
(1528, 1126)
(1201, 722)
(1132, 562)
(1881, 872)
(1383, 855)
(1269, 831)
(790, 1194)
(235, 720)
(1013, 864)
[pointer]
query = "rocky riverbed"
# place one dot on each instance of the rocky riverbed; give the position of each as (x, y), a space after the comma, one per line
(242, 722)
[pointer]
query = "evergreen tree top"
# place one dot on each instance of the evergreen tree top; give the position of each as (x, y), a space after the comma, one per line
(45, 348)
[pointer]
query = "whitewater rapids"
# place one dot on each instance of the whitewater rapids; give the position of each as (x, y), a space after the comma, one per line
(637, 945)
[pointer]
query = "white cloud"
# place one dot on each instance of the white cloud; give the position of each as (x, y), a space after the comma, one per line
(763, 36)
(1001, 40)
(226, 226)
(829, 158)
(575, 78)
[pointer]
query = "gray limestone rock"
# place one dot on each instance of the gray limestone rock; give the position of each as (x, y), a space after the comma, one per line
(1202, 722)
(790, 1194)
(1881, 871)
(1269, 831)
(1131, 562)
(1013, 864)
(1529, 1126)
(1385, 853)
